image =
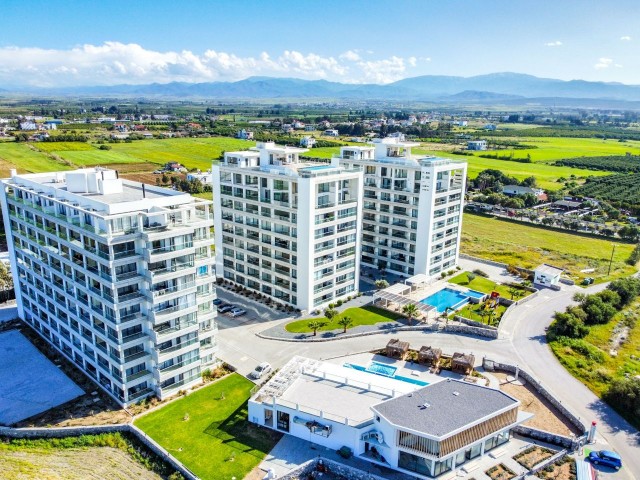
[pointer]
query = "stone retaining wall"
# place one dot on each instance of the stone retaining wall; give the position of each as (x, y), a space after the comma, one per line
(491, 364)
(336, 468)
(96, 430)
(544, 436)
(473, 323)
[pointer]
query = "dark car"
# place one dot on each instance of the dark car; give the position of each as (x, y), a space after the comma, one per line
(217, 301)
(606, 458)
(225, 307)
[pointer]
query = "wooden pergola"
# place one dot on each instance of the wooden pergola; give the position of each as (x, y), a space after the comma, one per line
(397, 349)
(462, 363)
(429, 356)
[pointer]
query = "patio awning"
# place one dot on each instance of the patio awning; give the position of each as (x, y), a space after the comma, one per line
(397, 289)
(402, 301)
(417, 280)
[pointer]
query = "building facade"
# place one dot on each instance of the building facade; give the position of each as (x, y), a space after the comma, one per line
(286, 228)
(116, 275)
(422, 430)
(412, 209)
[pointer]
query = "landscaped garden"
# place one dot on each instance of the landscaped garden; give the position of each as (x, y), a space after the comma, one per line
(368, 315)
(480, 313)
(486, 285)
(208, 430)
(500, 472)
(563, 469)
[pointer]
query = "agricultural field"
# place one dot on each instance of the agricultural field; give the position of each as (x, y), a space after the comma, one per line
(611, 163)
(27, 159)
(528, 246)
(617, 188)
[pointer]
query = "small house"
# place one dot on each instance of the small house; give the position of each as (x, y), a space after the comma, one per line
(477, 145)
(307, 142)
(331, 132)
(547, 275)
(462, 363)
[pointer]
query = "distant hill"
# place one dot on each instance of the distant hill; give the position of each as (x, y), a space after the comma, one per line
(495, 87)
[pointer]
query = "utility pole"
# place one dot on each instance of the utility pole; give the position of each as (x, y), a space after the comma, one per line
(611, 261)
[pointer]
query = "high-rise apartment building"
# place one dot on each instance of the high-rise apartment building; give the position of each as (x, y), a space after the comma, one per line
(287, 228)
(116, 275)
(412, 216)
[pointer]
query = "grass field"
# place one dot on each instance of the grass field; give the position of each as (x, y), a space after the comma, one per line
(471, 310)
(26, 160)
(590, 360)
(208, 430)
(529, 246)
(359, 315)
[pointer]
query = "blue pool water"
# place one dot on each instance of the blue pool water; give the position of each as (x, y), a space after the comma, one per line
(320, 167)
(474, 294)
(396, 377)
(446, 298)
(381, 369)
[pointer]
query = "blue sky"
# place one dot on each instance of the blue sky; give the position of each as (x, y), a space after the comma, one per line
(73, 42)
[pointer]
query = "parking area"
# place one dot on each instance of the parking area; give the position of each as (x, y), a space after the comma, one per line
(29, 382)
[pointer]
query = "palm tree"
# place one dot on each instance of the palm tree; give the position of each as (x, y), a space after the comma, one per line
(315, 325)
(483, 313)
(411, 311)
(513, 291)
(345, 322)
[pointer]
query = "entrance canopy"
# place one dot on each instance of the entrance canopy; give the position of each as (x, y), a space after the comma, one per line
(418, 280)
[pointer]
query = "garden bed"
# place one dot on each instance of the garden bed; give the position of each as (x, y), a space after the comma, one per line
(532, 456)
(500, 472)
(563, 469)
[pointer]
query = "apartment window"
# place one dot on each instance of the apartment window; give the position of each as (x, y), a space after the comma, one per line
(370, 170)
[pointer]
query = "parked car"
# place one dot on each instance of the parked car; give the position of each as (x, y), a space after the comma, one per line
(260, 370)
(225, 307)
(217, 301)
(606, 458)
(237, 312)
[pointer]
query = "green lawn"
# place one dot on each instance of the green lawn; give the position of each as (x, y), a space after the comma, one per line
(208, 430)
(482, 284)
(528, 246)
(360, 315)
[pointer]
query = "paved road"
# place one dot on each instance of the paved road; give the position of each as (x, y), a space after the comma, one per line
(523, 343)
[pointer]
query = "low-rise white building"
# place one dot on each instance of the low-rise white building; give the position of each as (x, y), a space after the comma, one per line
(547, 275)
(307, 141)
(422, 430)
(204, 177)
(477, 145)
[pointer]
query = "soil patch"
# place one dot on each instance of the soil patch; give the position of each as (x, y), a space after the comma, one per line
(73, 464)
(546, 416)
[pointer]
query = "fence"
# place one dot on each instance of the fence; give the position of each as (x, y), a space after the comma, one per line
(95, 430)
(339, 470)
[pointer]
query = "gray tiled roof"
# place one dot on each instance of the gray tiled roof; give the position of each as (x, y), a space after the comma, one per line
(446, 412)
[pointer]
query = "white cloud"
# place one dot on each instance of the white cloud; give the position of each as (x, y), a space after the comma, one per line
(625, 38)
(350, 55)
(556, 43)
(604, 62)
(114, 62)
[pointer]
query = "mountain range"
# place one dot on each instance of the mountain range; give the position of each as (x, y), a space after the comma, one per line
(496, 87)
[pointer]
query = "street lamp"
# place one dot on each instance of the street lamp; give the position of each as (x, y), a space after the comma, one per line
(611, 260)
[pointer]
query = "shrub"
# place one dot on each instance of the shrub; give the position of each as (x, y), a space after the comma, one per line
(624, 396)
(583, 348)
(382, 283)
(634, 258)
(481, 273)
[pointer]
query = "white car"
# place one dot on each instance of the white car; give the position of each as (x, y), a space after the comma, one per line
(260, 370)
(236, 312)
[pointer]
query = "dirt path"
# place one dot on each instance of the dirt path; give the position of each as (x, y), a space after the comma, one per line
(72, 464)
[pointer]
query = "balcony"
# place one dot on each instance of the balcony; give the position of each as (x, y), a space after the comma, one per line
(155, 254)
(175, 348)
(135, 356)
(154, 274)
(179, 365)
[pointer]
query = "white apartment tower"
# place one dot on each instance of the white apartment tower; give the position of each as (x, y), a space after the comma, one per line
(286, 228)
(116, 275)
(412, 215)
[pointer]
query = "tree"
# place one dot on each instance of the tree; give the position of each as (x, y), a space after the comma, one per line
(624, 396)
(345, 322)
(515, 292)
(330, 313)
(598, 311)
(315, 325)
(626, 288)
(567, 325)
(381, 284)
(6, 279)
(411, 311)
(470, 277)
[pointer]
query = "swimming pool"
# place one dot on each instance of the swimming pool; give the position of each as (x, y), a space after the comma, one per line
(319, 167)
(446, 298)
(360, 368)
(474, 294)
(381, 369)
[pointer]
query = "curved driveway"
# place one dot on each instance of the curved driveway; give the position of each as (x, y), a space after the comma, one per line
(522, 342)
